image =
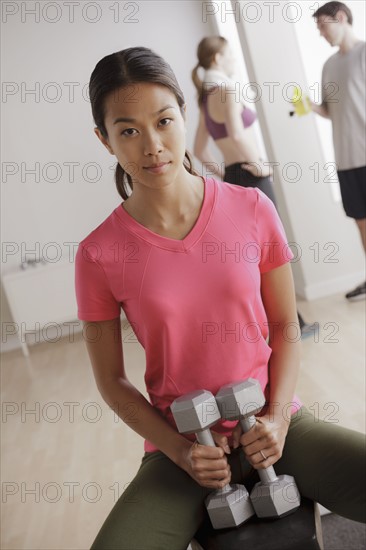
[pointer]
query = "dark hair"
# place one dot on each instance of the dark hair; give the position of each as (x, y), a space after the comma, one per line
(206, 51)
(121, 69)
(332, 8)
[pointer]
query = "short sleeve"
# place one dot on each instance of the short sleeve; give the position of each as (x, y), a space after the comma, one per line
(94, 298)
(272, 240)
(324, 88)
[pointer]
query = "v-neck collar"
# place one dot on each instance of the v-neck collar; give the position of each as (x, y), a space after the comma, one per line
(177, 245)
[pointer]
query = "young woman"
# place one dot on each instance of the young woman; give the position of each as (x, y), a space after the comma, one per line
(227, 120)
(201, 270)
(230, 124)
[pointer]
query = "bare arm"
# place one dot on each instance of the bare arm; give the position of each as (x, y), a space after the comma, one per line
(320, 109)
(106, 356)
(278, 295)
(270, 432)
(207, 465)
(201, 150)
(236, 132)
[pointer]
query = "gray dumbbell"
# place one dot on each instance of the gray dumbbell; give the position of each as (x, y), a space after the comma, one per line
(196, 412)
(273, 496)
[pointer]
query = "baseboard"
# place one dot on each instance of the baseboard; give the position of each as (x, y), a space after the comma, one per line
(11, 342)
(194, 545)
(323, 511)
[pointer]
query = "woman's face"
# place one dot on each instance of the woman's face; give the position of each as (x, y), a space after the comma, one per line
(226, 60)
(145, 127)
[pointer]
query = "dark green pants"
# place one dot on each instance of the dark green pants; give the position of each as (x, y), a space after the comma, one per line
(163, 506)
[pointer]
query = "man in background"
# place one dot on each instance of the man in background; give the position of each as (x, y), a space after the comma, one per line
(343, 102)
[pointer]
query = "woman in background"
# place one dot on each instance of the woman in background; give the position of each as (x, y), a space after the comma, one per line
(230, 124)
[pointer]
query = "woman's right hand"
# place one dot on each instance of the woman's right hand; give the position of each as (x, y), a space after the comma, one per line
(208, 466)
(258, 169)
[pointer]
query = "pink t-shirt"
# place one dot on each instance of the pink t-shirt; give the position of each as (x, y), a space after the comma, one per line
(194, 304)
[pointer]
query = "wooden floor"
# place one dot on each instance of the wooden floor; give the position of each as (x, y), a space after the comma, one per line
(66, 457)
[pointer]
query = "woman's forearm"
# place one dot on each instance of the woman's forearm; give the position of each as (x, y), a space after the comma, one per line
(320, 109)
(132, 407)
(283, 372)
(270, 431)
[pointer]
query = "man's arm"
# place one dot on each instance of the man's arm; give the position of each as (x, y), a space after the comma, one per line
(320, 109)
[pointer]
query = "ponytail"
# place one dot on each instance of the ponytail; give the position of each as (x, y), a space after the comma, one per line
(206, 51)
(197, 83)
(124, 188)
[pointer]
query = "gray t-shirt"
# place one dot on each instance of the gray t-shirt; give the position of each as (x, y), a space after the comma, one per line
(343, 94)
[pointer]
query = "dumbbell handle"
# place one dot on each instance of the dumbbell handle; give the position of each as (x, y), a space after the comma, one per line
(204, 437)
(267, 475)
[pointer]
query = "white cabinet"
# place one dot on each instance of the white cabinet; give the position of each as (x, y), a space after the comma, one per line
(41, 297)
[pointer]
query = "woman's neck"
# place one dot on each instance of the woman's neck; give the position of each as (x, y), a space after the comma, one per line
(163, 208)
(217, 75)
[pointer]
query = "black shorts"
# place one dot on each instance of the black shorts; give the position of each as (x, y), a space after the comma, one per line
(353, 191)
(234, 173)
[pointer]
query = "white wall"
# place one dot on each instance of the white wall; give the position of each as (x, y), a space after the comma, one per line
(327, 243)
(36, 53)
(54, 126)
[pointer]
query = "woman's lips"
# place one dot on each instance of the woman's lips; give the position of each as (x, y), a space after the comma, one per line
(158, 169)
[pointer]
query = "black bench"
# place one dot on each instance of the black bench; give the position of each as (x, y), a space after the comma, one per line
(298, 531)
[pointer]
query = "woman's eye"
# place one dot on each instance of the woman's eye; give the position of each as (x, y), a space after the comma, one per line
(131, 131)
(124, 132)
(162, 120)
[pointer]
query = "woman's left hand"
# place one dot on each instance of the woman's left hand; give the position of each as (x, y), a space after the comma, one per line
(267, 436)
